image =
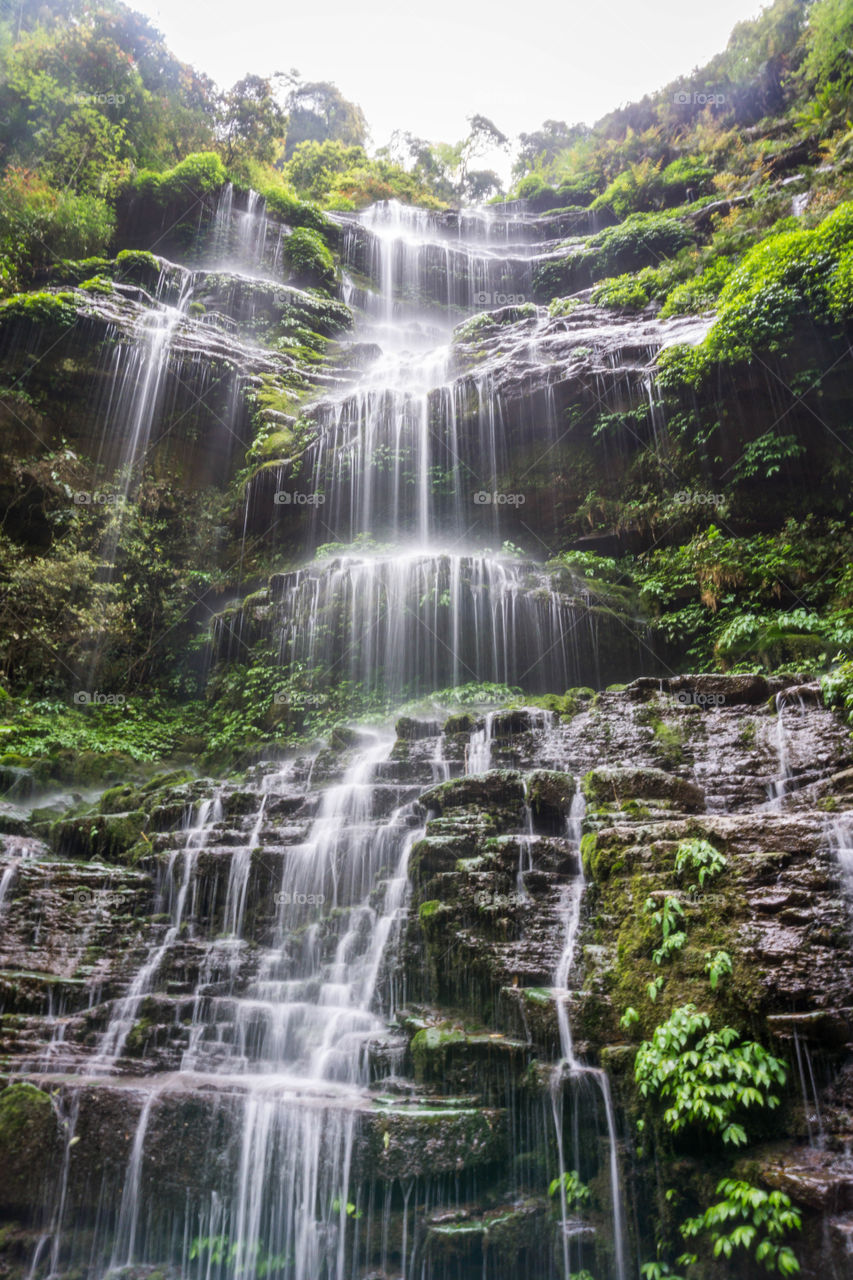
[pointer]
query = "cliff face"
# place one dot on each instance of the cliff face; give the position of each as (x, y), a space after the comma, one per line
(125, 1094)
(551, 979)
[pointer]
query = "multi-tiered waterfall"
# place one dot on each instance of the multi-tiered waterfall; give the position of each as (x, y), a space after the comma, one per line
(270, 973)
(411, 463)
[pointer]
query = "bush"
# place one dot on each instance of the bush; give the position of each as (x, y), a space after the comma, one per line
(841, 287)
(623, 292)
(38, 225)
(197, 175)
(295, 212)
(708, 1077)
(699, 293)
(309, 259)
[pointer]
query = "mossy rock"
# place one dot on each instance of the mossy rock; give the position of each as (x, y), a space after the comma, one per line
(502, 788)
(463, 723)
(30, 1146)
(428, 1142)
(412, 730)
(342, 738)
(120, 799)
(105, 836)
(550, 793)
(430, 857)
(606, 785)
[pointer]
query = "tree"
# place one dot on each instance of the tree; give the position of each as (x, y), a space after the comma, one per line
(317, 111)
(483, 135)
(252, 124)
(545, 144)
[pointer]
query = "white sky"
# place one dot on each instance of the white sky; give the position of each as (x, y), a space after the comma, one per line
(427, 68)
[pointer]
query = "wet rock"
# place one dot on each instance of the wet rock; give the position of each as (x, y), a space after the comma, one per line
(427, 1141)
(13, 821)
(411, 729)
(107, 836)
(606, 785)
(30, 1145)
(701, 690)
(451, 1057)
(550, 794)
(465, 723)
(503, 789)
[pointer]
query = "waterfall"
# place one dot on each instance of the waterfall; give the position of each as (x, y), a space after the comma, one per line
(422, 620)
(269, 982)
(570, 1071)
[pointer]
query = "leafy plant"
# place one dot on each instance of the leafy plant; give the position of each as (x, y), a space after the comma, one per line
(717, 967)
(576, 1192)
(748, 1217)
(668, 918)
(700, 856)
(707, 1076)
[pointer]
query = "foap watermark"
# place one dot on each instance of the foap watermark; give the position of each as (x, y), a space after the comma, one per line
(94, 498)
(287, 498)
(287, 899)
(300, 701)
(94, 698)
(482, 498)
(698, 497)
(683, 99)
(485, 898)
(101, 99)
(486, 298)
(692, 698)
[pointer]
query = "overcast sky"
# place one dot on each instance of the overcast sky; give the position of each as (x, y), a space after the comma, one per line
(426, 68)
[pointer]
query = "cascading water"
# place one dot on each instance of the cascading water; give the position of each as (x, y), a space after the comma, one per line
(272, 974)
(574, 1076)
(407, 464)
(413, 622)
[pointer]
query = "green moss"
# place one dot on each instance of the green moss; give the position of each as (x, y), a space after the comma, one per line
(41, 308)
(98, 284)
(428, 909)
(562, 307)
(309, 258)
(196, 175)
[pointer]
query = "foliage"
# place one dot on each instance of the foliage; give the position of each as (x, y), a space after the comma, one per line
(623, 292)
(699, 855)
(40, 225)
(837, 686)
(717, 967)
(708, 1077)
(195, 176)
(569, 1185)
(251, 1257)
(251, 123)
(748, 1217)
(668, 918)
(309, 259)
(317, 111)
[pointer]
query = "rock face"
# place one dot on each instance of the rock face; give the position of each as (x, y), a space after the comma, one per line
(451, 1142)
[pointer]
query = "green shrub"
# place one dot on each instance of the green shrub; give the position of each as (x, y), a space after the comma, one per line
(309, 259)
(700, 293)
(841, 287)
(749, 1217)
(708, 1077)
(625, 293)
(196, 175)
(39, 225)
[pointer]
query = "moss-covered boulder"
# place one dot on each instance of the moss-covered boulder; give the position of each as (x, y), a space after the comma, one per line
(30, 1144)
(550, 793)
(108, 837)
(607, 786)
(499, 789)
